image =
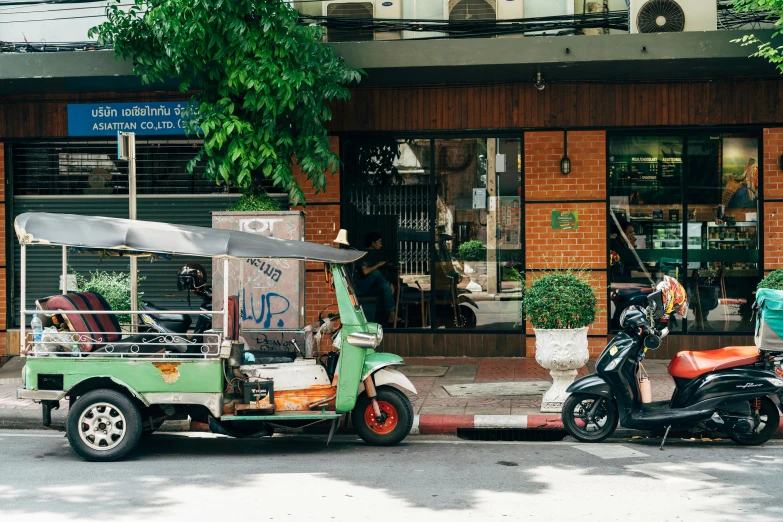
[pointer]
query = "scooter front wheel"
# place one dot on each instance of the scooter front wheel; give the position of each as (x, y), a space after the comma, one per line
(589, 418)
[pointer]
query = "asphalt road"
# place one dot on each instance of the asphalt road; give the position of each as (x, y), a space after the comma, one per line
(203, 477)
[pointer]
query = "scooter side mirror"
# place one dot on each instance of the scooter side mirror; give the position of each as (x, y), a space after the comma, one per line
(652, 342)
(656, 299)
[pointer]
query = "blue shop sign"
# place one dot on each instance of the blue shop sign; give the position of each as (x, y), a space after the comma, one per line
(143, 118)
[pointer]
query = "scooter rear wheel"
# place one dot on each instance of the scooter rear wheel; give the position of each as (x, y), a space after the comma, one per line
(594, 429)
(770, 417)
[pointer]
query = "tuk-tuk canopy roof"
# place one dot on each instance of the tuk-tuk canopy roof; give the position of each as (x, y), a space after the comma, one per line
(135, 237)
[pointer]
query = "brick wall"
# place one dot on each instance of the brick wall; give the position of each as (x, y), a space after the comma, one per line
(543, 152)
(545, 188)
(772, 180)
(322, 222)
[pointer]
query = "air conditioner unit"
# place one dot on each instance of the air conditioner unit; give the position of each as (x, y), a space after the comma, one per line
(673, 16)
(385, 9)
(484, 10)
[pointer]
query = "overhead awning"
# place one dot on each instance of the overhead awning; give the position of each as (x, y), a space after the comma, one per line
(132, 237)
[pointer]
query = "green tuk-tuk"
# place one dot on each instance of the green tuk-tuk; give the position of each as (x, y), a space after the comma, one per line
(124, 380)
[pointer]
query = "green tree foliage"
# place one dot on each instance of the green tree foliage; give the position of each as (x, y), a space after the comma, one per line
(768, 50)
(263, 83)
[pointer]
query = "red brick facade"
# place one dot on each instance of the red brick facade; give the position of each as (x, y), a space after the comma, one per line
(583, 190)
(322, 223)
(772, 180)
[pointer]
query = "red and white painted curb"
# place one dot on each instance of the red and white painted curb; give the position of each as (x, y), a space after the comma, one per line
(434, 424)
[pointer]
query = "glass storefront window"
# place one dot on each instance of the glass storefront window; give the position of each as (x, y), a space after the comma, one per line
(478, 267)
(451, 230)
(688, 208)
(645, 222)
(723, 239)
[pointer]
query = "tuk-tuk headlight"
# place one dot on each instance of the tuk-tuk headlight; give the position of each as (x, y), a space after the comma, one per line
(362, 340)
(380, 334)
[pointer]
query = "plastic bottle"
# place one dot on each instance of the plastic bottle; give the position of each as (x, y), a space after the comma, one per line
(75, 351)
(37, 327)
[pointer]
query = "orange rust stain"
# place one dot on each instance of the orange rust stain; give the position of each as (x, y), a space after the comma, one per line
(169, 371)
(300, 400)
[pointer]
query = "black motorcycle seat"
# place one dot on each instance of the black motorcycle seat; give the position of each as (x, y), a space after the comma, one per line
(159, 314)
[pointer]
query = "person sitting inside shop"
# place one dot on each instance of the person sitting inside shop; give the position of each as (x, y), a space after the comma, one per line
(623, 262)
(371, 281)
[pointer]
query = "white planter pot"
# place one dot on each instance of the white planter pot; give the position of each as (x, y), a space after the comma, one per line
(474, 269)
(561, 352)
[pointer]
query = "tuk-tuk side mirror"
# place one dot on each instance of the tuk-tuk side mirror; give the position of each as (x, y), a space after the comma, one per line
(363, 340)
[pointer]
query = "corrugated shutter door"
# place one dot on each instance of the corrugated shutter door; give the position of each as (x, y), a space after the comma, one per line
(160, 283)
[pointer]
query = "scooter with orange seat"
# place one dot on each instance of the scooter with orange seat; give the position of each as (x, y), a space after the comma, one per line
(730, 390)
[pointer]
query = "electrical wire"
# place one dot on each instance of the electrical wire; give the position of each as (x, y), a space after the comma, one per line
(352, 26)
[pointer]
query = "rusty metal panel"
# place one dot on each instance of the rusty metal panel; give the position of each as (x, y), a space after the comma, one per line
(270, 291)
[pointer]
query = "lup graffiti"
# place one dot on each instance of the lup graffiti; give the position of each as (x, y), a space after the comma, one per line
(271, 304)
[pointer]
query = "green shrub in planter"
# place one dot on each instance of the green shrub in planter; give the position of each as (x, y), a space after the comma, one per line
(114, 287)
(473, 250)
(773, 281)
(560, 300)
(254, 202)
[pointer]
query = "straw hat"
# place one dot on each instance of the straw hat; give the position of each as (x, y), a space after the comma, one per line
(342, 238)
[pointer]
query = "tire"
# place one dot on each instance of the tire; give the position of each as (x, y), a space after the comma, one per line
(396, 426)
(96, 411)
(605, 420)
(468, 317)
(770, 416)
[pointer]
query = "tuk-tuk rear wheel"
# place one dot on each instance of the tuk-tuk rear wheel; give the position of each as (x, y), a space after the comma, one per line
(103, 425)
(396, 417)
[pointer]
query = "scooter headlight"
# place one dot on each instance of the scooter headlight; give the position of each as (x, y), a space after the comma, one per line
(612, 365)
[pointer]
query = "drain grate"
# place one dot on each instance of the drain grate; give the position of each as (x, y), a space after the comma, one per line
(511, 435)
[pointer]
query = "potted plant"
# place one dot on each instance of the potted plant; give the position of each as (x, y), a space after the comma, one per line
(473, 255)
(560, 306)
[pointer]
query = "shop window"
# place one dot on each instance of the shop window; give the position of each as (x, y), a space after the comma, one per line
(452, 228)
(685, 206)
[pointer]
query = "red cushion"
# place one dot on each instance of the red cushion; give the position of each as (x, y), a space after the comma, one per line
(101, 328)
(689, 365)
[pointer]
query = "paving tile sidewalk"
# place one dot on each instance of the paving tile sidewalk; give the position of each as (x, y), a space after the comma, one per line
(429, 375)
(433, 398)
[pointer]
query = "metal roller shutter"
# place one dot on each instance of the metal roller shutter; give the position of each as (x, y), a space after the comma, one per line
(52, 177)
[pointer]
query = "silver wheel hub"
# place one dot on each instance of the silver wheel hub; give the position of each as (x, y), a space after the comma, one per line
(102, 426)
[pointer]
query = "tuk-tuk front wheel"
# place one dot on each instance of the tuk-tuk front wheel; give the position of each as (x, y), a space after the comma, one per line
(394, 423)
(103, 425)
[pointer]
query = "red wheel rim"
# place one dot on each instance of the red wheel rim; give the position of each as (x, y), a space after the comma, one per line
(385, 427)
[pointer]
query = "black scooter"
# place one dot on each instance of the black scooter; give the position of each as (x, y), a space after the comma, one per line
(730, 390)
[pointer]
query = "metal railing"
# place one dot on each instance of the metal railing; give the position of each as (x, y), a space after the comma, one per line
(149, 345)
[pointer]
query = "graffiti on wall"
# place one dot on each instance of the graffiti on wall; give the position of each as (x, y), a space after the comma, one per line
(270, 291)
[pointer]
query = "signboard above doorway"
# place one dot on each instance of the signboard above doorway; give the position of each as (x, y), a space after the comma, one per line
(142, 118)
